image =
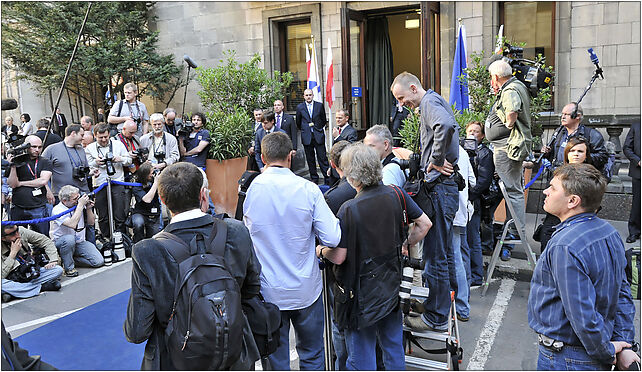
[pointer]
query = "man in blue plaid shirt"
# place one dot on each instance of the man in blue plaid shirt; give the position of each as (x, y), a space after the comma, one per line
(580, 301)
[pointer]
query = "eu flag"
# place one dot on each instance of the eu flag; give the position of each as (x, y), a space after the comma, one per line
(459, 90)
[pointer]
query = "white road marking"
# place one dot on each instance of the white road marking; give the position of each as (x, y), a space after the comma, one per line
(73, 280)
(493, 322)
(41, 320)
(293, 356)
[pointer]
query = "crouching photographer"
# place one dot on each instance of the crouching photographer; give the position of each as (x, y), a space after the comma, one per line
(145, 218)
(29, 263)
(368, 261)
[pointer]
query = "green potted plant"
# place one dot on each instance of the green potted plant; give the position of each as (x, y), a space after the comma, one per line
(230, 91)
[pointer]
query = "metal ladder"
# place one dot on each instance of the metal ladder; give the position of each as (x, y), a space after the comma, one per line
(451, 335)
(498, 248)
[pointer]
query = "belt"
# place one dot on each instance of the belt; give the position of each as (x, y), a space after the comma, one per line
(550, 343)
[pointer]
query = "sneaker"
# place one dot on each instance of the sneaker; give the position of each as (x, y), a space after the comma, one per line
(462, 318)
(71, 273)
(505, 254)
(416, 306)
(417, 324)
(7, 297)
(51, 286)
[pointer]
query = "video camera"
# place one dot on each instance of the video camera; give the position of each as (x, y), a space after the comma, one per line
(187, 128)
(17, 148)
(408, 265)
(528, 72)
(140, 155)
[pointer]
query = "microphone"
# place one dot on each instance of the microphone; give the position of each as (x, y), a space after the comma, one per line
(596, 62)
(190, 61)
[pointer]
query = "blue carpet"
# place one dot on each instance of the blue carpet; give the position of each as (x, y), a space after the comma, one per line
(89, 339)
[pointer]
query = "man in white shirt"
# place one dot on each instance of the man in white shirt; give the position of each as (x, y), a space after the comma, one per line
(380, 138)
(68, 231)
(284, 214)
(97, 156)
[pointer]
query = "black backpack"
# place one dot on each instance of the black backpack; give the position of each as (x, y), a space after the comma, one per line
(205, 328)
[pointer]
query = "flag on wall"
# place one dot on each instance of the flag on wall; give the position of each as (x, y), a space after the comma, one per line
(329, 81)
(459, 90)
(500, 40)
(313, 74)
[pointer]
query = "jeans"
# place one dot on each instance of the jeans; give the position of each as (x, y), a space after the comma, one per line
(22, 214)
(339, 343)
(473, 235)
(144, 226)
(570, 358)
(463, 288)
(32, 288)
(84, 253)
(308, 327)
(510, 172)
(361, 344)
(436, 274)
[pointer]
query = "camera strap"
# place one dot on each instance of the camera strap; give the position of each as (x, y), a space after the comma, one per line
(71, 158)
(162, 144)
(34, 171)
(111, 149)
(129, 146)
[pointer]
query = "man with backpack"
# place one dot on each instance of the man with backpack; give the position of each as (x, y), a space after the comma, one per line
(199, 324)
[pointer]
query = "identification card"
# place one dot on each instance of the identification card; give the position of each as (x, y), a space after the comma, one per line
(154, 210)
(36, 192)
(311, 124)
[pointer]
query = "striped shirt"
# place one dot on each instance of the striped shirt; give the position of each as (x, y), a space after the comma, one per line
(579, 291)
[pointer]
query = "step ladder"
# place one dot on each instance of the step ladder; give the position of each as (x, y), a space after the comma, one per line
(450, 336)
(523, 241)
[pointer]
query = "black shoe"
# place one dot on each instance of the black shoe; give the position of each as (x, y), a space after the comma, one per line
(7, 297)
(462, 318)
(632, 238)
(51, 286)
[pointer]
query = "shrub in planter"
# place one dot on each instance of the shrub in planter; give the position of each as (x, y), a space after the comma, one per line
(230, 134)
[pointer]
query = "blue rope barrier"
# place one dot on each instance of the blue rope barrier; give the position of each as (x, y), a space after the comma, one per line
(545, 164)
(126, 183)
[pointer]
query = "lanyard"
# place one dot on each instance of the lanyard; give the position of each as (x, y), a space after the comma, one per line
(125, 141)
(161, 143)
(31, 170)
(100, 153)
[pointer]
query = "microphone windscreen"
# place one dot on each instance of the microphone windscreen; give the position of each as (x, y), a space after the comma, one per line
(9, 104)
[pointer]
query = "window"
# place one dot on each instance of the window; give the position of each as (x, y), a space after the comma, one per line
(293, 37)
(531, 23)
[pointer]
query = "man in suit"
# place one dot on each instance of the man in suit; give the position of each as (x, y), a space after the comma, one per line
(255, 124)
(311, 120)
(59, 123)
(285, 122)
(631, 150)
(343, 131)
(267, 127)
(397, 116)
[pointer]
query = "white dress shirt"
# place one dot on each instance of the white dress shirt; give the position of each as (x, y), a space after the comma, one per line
(94, 151)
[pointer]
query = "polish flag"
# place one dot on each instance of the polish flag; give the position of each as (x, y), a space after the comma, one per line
(329, 81)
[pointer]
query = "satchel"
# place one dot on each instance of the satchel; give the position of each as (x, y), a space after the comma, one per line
(265, 322)
(419, 191)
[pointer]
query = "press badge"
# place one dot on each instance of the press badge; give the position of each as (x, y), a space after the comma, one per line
(36, 192)
(154, 210)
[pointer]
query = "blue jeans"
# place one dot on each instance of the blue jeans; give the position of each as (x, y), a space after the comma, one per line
(473, 235)
(308, 327)
(83, 252)
(570, 358)
(361, 344)
(32, 288)
(144, 226)
(463, 288)
(436, 275)
(22, 214)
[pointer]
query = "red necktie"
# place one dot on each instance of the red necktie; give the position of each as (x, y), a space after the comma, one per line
(339, 130)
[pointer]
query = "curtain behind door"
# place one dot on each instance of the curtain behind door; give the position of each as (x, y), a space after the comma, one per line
(378, 64)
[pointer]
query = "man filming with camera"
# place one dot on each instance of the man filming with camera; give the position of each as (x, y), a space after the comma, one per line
(29, 182)
(194, 141)
(380, 139)
(29, 263)
(129, 108)
(109, 156)
(172, 125)
(162, 147)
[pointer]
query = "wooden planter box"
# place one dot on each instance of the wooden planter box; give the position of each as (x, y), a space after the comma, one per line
(500, 212)
(223, 177)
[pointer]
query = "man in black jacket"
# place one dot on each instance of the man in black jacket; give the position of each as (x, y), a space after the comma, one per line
(183, 189)
(311, 120)
(285, 122)
(42, 126)
(631, 150)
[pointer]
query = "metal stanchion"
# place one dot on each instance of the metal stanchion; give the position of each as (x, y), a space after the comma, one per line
(327, 322)
(106, 251)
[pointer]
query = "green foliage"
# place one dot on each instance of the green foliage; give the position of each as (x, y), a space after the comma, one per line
(231, 91)
(231, 133)
(38, 39)
(409, 132)
(466, 116)
(479, 91)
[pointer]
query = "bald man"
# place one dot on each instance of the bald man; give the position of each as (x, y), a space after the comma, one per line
(311, 121)
(29, 180)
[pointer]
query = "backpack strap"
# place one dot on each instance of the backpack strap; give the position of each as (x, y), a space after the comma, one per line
(120, 108)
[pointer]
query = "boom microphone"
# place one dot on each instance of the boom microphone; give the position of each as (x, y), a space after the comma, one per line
(189, 61)
(9, 104)
(596, 62)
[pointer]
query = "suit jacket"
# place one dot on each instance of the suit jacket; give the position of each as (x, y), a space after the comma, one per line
(258, 137)
(347, 134)
(339, 194)
(51, 138)
(631, 150)
(153, 279)
(63, 120)
(289, 126)
(318, 119)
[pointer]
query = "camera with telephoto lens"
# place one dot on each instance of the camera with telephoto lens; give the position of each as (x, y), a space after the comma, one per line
(187, 128)
(408, 265)
(81, 172)
(17, 147)
(470, 145)
(40, 257)
(413, 164)
(140, 155)
(159, 155)
(109, 164)
(27, 271)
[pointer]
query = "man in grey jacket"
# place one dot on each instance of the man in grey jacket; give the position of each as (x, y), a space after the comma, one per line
(163, 147)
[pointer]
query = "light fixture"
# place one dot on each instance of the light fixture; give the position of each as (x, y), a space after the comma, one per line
(412, 23)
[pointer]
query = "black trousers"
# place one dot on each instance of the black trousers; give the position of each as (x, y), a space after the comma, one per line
(120, 204)
(634, 217)
(321, 158)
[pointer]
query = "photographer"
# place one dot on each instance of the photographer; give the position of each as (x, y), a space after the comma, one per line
(68, 231)
(29, 182)
(109, 156)
(29, 263)
(380, 139)
(127, 137)
(194, 145)
(508, 127)
(371, 240)
(69, 161)
(145, 218)
(129, 108)
(162, 147)
(172, 126)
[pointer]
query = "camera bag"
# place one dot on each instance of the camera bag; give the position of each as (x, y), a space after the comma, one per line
(265, 322)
